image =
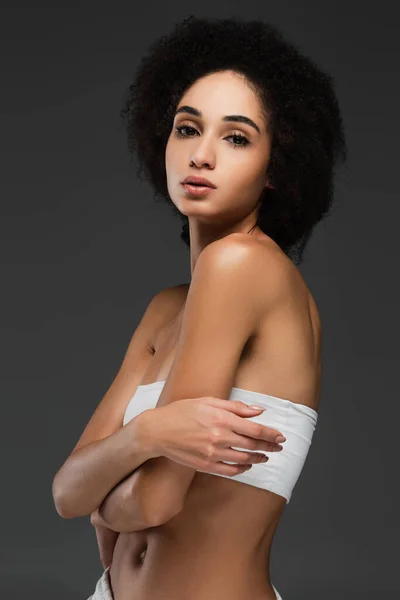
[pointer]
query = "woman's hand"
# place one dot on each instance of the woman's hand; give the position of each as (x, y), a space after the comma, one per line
(200, 433)
(106, 539)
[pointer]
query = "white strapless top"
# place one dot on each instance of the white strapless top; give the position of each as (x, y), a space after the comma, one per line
(295, 421)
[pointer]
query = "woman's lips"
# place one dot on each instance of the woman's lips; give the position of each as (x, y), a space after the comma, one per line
(197, 190)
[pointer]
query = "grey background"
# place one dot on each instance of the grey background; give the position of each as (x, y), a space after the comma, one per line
(84, 247)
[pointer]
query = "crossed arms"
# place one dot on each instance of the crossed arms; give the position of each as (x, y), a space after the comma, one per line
(224, 306)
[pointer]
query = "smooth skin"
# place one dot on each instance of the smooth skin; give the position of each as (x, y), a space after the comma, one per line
(281, 359)
(246, 320)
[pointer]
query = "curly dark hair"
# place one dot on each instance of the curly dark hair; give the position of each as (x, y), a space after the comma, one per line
(298, 101)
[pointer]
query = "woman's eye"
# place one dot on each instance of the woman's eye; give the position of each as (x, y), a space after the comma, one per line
(179, 132)
(243, 140)
(180, 128)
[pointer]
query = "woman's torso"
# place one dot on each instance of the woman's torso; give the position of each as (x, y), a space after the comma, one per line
(176, 560)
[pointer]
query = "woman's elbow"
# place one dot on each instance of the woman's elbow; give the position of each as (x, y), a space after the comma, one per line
(63, 504)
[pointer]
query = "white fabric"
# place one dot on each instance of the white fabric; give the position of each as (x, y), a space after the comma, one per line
(103, 588)
(295, 421)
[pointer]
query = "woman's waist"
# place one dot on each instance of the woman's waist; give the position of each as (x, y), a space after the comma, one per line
(170, 569)
(156, 560)
(205, 530)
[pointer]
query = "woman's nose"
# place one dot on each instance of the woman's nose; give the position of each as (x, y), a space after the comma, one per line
(203, 156)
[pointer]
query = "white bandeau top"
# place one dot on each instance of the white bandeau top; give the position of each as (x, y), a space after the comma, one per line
(295, 421)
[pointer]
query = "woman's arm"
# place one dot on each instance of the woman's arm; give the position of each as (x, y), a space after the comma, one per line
(225, 304)
(106, 539)
(107, 451)
(120, 512)
(90, 472)
(161, 485)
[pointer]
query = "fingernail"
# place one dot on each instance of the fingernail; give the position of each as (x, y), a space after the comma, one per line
(280, 439)
(256, 407)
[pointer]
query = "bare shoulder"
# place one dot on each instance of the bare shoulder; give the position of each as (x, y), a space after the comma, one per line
(281, 286)
(166, 305)
(240, 248)
(169, 300)
(260, 264)
(275, 276)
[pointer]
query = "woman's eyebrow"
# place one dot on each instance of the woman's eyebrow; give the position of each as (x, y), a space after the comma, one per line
(233, 118)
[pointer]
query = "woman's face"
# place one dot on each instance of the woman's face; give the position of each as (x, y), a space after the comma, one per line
(232, 155)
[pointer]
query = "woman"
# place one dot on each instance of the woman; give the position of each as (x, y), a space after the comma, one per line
(178, 513)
